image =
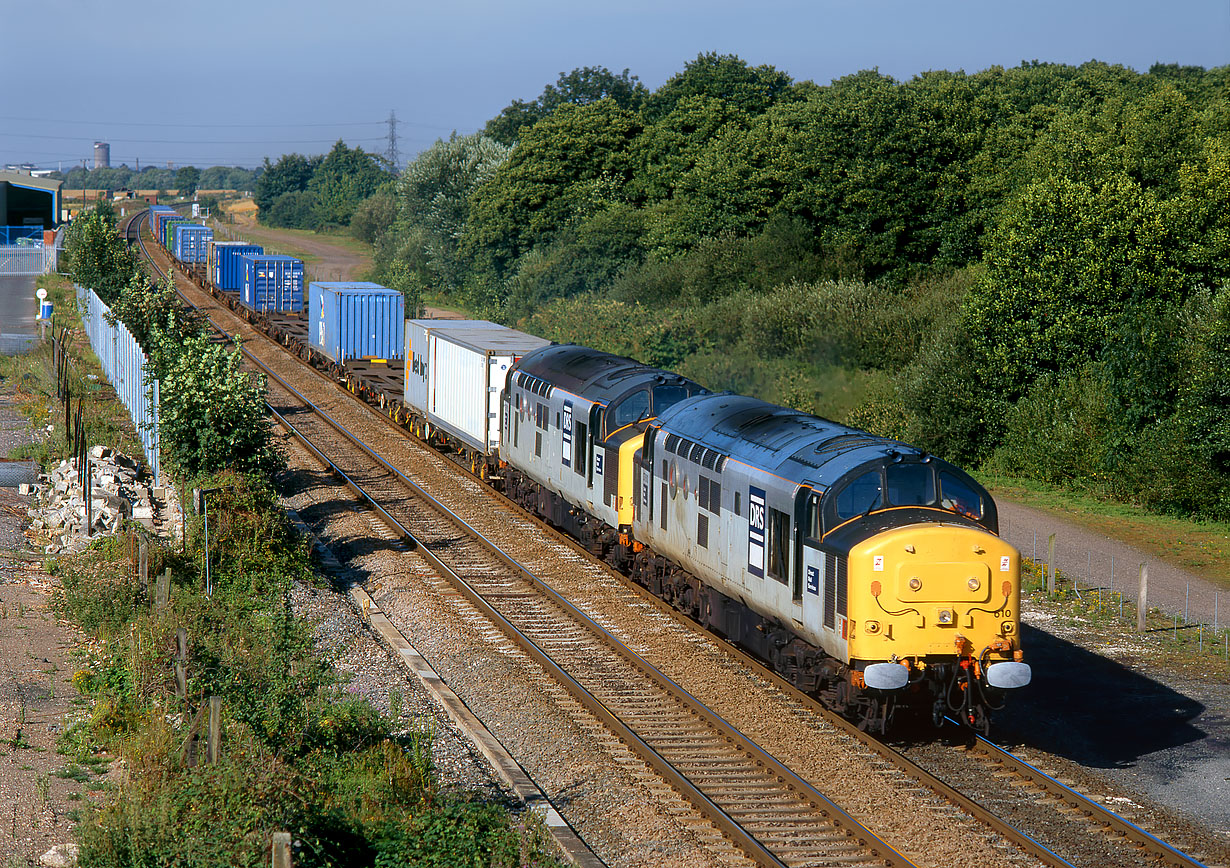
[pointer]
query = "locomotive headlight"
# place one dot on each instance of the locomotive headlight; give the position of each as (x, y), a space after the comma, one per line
(973, 584)
(944, 616)
(915, 583)
(872, 627)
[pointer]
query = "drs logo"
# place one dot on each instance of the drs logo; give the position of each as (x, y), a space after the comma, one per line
(755, 531)
(566, 428)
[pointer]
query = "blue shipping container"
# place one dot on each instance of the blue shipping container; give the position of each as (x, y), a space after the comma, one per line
(168, 231)
(157, 214)
(272, 283)
(192, 242)
(356, 321)
(228, 263)
(160, 223)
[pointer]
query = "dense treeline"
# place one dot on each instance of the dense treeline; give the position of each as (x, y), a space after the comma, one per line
(1022, 269)
(300, 192)
(187, 179)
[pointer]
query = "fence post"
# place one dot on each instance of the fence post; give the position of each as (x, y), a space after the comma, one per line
(1142, 604)
(181, 663)
(281, 850)
(1050, 564)
(214, 747)
(164, 590)
(143, 566)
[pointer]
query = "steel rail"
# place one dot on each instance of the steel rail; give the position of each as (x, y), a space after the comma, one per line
(1121, 825)
(879, 849)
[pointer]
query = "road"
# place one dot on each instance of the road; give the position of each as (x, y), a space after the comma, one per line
(18, 314)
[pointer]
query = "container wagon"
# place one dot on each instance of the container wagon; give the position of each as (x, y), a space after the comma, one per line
(155, 212)
(168, 231)
(455, 377)
(224, 263)
(158, 222)
(357, 320)
(191, 242)
(271, 283)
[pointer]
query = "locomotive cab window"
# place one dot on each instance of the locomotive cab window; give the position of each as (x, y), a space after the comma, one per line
(910, 484)
(812, 530)
(959, 496)
(860, 495)
(631, 409)
(667, 396)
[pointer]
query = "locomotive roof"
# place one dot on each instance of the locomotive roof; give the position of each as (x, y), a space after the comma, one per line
(782, 441)
(592, 373)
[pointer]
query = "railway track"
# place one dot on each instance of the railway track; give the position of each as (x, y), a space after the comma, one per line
(723, 772)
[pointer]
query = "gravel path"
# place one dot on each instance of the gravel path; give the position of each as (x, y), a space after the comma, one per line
(1087, 555)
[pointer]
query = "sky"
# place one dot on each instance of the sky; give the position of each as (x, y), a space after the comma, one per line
(229, 82)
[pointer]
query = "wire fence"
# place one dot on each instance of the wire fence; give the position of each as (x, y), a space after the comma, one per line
(123, 363)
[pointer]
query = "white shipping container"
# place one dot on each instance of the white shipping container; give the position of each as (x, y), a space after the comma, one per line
(455, 375)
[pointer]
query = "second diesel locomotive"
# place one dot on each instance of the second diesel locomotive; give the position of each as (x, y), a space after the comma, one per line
(862, 569)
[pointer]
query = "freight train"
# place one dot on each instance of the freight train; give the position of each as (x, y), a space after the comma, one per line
(864, 570)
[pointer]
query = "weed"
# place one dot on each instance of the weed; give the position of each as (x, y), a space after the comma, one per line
(73, 772)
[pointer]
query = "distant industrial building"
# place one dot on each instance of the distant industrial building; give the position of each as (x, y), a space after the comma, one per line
(28, 169)
(29, 202)
(102, 155)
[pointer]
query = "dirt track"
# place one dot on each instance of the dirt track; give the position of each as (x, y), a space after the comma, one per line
(1087, 555)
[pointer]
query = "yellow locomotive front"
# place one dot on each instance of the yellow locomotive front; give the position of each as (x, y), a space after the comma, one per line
(934, 610)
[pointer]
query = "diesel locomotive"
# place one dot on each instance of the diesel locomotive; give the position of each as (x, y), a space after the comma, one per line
(863, 570)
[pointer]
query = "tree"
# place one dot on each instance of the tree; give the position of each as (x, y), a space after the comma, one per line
(582, 86)
(343, 179)
(1068, 259)
(97, 258)
(186, 180)
(750, 89)
(433, 207)
(374, 215)
(211, 413)
(568, 166)
(291, 173)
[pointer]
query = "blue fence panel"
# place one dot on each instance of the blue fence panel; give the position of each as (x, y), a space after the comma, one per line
(21, 234)
(123, 364)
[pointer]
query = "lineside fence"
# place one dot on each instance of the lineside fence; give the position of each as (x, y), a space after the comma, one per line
(124, 364)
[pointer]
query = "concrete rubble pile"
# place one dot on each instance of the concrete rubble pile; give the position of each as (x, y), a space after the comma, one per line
(116, 494)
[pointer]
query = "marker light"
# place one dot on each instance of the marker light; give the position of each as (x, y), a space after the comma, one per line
(973, 584)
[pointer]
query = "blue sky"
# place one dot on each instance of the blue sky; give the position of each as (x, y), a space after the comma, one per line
(228, 82)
